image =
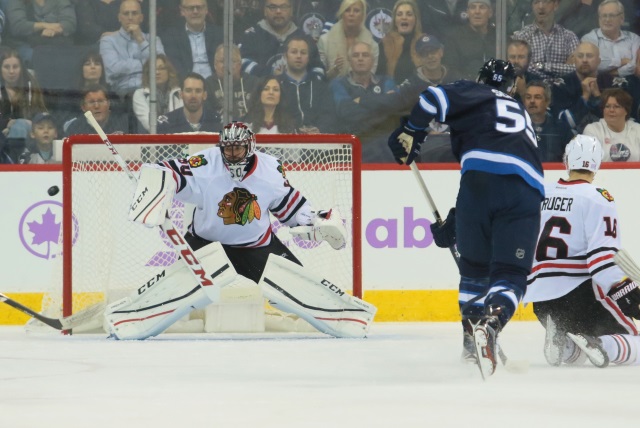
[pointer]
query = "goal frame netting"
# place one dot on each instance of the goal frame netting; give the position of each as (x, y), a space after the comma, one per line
(208, 139)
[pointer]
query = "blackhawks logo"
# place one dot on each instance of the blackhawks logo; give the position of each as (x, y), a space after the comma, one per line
(239, 207)
(605, 194)
(196, 161)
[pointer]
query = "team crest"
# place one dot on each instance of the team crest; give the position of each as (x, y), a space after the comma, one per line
(197, 161)
(281, 170)
(239, 206)
(605, 194)
(379, 22)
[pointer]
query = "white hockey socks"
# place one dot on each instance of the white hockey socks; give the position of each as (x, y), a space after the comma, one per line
(622, 348)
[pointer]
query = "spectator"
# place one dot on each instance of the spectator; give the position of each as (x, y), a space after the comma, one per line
(96, 19)
(348, 31)
(267, 114)
(618, 133)
(37, 23)
(95, 98)
(20, 96)
(191, 47)
(551, 44)
(398, 57)
(519, 54)
(358, 115)
(618, 48)
(125, 52)
(167, 91)
(470, 45)
(43, 132)
(243, 85)
(552, 134)
(194, 115)
(305, 97)
(439, 16)
(261, 45)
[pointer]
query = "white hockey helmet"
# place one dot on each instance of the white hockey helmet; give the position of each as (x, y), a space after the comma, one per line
(237, 134)
(583, 153)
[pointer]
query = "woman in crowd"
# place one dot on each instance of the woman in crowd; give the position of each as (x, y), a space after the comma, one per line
(616, 131)
(266, 115)
(167, 91)
(20, 96)
(398, 57)
(349, 29)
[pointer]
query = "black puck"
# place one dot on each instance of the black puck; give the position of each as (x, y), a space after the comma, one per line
(53, 190)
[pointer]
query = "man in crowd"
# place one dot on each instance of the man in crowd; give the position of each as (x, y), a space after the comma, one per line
(95, 98)
(519, 54)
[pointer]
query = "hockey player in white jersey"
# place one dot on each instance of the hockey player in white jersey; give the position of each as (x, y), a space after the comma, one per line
(584, 300)
(234, 188)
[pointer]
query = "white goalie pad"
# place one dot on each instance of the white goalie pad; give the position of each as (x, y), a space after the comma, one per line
(330, 229)
(167, 297)
(153, 196)
(293, 288)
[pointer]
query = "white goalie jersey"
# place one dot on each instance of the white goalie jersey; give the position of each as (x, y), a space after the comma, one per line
(579, 235)
(236, 212)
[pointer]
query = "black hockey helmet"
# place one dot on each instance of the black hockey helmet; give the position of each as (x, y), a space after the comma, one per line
(498, 73)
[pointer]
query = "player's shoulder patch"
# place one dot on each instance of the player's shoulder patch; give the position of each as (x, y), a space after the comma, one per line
(281, 170)
(197, 161)
(605, 194)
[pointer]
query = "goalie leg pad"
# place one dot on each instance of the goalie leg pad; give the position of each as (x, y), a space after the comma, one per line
(169, 296)
(153, 196)
(293, 288)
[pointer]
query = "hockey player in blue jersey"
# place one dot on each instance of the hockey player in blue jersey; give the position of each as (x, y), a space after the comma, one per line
(496, 219)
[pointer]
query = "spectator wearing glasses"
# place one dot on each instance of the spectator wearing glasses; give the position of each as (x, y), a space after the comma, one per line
(618, 48)
(191, 47)
(95, 98)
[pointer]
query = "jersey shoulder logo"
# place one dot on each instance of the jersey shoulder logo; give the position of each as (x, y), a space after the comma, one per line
(605, 194)
(281, 170)
(239, 206)
(197, 161)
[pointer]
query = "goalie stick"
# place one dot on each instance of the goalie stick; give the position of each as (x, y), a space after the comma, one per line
(627, 264)
(175, 237)
(65, 323)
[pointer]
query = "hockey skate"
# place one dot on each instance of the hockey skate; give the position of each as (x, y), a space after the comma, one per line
(468, 345)
(485, 336)
(555, 341)
(592, 346)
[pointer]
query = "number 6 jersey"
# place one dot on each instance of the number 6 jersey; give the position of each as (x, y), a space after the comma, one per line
(579, 235)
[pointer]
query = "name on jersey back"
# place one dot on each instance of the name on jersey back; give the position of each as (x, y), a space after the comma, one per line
(557, 203)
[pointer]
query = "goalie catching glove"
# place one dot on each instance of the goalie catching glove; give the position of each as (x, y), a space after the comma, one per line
(153, 196)
(405, 142)
(627, 295)
(325, 226)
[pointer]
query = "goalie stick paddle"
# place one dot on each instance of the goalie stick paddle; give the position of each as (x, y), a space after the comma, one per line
(66, 323)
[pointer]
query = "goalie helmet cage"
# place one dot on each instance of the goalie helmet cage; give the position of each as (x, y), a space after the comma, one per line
(106, 257)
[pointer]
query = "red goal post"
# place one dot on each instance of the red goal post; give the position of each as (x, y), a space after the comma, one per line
(110, 257)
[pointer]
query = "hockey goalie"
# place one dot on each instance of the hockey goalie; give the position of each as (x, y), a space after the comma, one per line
(234, 188)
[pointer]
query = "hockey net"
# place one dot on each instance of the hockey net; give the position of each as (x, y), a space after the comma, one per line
(106, 257)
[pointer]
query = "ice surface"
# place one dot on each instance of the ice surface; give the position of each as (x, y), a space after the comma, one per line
(403, 375)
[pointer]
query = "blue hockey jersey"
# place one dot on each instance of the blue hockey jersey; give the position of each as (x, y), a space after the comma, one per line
(490, 131)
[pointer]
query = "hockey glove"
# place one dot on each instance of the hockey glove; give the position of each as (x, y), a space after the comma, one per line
(405, 142)
(327, 226)
(444, 234)
(627, 295)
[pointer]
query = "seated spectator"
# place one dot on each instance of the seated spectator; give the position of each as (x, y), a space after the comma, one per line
(37, 23)
(305, 97)
(469, 46)
(167, 91)
(267, 114)
(194, 115)
(125, 52)
(398, 57)
(243, 85)
(618, 48)
(616, 131)
(95, 98)
(43, 132)
(191, 46)
(357, 116)
(519, 54)
(553, 134)
(20, 96)
(551, 44)
(261, 45)
(96, 19)
(349, 30)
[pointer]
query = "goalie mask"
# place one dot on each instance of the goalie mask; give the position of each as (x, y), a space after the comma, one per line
(583, 153)
(237, 145)
(498, 73)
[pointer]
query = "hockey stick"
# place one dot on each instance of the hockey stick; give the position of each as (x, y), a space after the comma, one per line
(175, 237)
(627, 264)
(66, 323)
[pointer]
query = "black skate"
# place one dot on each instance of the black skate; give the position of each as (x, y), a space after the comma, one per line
(592, 346)
(555, 341)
